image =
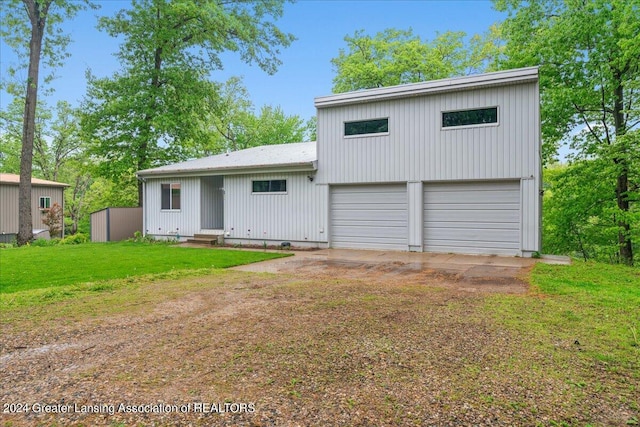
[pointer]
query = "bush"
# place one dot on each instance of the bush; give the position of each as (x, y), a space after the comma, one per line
(39, 243)
(75, 239)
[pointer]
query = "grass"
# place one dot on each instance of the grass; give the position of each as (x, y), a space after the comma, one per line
(29, 268)
(325, 350)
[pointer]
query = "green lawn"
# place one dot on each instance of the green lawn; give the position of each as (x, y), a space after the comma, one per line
(28, 268)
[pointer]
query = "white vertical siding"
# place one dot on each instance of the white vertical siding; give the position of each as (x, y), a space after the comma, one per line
(300, 215)
(418, 149)
(183, 222)
(414, 196)
(530, 214)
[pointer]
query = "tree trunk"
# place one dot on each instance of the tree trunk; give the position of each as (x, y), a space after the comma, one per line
(25, 221)
(622, 181)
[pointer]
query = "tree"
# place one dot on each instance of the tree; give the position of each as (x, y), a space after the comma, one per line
(589, 57)
(395, 57)
(238, 127)
(153, 111)
(41, 22)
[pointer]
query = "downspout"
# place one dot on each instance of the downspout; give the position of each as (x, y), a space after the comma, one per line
(62, 219)
(144, 206)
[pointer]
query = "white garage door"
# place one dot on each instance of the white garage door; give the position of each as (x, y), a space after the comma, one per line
(473, 218)
(369, 217)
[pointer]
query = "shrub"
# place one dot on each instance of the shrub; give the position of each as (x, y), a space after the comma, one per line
(75, 239)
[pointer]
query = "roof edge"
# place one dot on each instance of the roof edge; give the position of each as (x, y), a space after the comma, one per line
(498, 78)
(231, 170)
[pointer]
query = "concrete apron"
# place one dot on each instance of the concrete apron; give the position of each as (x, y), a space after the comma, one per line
(464, 272)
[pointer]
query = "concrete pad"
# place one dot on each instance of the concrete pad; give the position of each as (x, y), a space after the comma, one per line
(470, 273)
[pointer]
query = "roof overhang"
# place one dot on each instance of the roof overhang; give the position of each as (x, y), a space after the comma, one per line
(232, 170)
(499, 78)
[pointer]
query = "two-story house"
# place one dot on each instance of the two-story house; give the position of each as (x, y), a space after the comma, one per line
(449, 165)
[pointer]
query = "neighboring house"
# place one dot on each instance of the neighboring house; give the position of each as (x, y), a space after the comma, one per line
(450, 165)
(43, 195)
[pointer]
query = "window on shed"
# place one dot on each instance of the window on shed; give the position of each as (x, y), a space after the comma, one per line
(170, 196)
(45, 202)
(365, 127)
(270, 186)
(470, 117)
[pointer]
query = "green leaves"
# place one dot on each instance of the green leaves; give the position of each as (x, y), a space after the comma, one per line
(393, 57)
(157, 109)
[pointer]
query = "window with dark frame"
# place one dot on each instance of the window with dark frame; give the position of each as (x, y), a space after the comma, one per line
(170, 196)
(479, 116)
(45, 202)
(366, 127)
(269, 186)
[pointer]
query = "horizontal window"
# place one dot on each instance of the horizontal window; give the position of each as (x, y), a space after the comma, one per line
(45, 202)
(170, 196)
(270, 186)
(480, 116)
(365, 127)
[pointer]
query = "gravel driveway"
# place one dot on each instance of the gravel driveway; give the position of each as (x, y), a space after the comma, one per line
(329, 340)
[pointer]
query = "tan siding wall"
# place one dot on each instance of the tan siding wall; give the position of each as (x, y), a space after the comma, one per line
(9, 206)
(56, 195)
(99, 226)
(300, 215)
(8, 209)
(124, 222)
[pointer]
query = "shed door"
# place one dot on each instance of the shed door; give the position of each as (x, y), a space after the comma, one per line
(369, 216)
(473, 218)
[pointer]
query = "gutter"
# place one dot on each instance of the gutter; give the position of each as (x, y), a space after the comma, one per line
(231, 170)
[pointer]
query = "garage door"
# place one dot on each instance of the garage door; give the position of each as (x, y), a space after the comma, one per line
(369, 217)
(473, 218)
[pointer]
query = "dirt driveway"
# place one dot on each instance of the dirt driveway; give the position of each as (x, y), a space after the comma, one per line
(332, 339)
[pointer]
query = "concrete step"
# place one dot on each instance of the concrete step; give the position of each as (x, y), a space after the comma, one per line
(207, 239)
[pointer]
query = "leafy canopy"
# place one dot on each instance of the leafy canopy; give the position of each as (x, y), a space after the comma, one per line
(393, 57)
(155, 109)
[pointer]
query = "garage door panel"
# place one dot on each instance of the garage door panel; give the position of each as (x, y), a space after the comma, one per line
(382, 198)
(454, 215)
(365, 208)
(472, 225)
(497, 196)
(378, 232)
(476, 206)
(369, 217)
(352, 215)
(472, 217)
(475, 235)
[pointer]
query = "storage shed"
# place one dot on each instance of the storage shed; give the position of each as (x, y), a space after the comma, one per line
(115, 224)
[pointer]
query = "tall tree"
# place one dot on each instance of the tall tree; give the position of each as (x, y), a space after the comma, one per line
(36, 24)
(237, 126)
(589, 57)
(393, 57)
(153, 110)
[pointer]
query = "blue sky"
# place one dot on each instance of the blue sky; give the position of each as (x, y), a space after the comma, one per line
(306, 71)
